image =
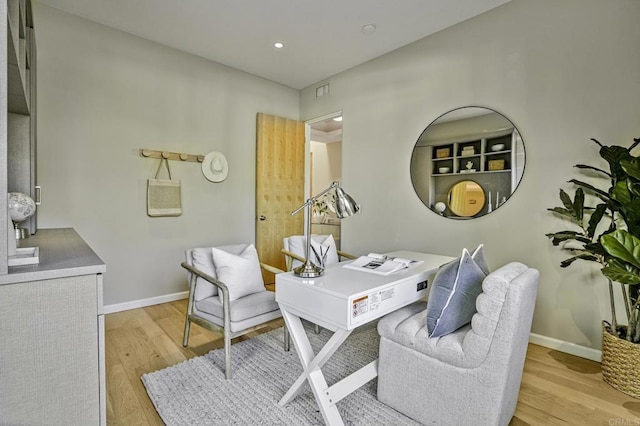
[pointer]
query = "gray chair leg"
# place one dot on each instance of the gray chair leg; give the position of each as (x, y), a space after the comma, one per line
(227, 354)
(187, 328)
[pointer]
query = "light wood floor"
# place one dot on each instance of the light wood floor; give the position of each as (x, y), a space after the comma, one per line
(556, 388)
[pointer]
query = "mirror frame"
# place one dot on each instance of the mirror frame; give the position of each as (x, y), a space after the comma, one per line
(494, 158)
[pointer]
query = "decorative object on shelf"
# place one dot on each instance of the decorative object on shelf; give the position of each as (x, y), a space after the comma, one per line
(443, 153)
(440, 208)
(496, 165)
(181, 156)
(497, 147)
(469, 168)
(21, 208)
(489, 207)
(344, 206)
(467, 151)
(215, 167)
(444, 169)
(164, 196)
(609, 234)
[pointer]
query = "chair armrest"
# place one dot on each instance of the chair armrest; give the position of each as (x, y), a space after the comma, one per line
(206, 277)
(293, 255)
(270, 268)
(346, 255)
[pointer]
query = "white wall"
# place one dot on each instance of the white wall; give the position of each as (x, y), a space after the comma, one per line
(104, 94)
(327, 164)
(561, 71)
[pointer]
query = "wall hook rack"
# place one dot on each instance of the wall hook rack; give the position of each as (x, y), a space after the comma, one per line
(152, 153)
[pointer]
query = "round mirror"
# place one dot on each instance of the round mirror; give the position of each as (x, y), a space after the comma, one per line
(466, 198)
(467, 162)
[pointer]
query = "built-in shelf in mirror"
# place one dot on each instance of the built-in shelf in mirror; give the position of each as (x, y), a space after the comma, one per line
(474, 145)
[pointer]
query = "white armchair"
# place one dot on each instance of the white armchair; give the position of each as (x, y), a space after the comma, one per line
(226, 293)
(295, 248)
(471, 376)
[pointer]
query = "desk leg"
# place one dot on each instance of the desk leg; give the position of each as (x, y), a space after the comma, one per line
(312, 365)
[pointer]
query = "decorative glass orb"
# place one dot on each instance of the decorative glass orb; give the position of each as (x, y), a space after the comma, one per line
(21, 206)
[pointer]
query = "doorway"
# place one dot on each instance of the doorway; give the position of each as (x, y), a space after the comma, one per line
(325, 166)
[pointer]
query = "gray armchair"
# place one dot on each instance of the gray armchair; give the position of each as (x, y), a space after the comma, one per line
(471, 376)
(232, 316)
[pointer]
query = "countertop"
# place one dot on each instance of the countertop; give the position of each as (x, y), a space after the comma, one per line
(63, 253)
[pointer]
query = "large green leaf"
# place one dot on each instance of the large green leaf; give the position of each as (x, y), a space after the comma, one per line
(578, 204)
(596, 248)
(566, 200)
(585, 166)
(621, 272)
(558, 237)
(631, 168)
(595, 219)
(631, 213)
(621, 193)
(622, 245)
(589, 187)
(613, 155)
(564, 212)
(583, 256)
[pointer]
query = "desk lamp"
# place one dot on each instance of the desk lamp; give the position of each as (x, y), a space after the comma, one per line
(345, 207)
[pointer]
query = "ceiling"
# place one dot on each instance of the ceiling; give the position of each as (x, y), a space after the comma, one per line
(321, 38)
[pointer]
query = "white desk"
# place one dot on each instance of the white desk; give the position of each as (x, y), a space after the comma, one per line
(342, 300)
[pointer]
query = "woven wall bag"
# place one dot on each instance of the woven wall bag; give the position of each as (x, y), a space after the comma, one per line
(164, 196)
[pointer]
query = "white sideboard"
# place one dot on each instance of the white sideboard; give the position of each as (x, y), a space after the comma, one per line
(52, 335)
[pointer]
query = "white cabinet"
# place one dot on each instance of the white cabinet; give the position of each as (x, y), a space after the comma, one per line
(52, 335)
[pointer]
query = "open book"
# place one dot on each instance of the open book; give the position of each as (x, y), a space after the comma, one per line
(380, 264)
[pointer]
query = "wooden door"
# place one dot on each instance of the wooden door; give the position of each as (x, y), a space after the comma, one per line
(280, 155)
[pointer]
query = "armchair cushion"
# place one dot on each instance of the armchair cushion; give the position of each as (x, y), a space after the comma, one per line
(241, 309)
(240, 272)
(453, 294)
(298, 245)
(202, 259)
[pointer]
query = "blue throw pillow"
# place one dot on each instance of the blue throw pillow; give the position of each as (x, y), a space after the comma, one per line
(455, 288)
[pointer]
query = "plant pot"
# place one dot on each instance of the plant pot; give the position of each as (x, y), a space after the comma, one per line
(620, 362)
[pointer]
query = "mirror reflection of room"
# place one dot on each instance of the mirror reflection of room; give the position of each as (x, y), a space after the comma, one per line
(473, 145)
(466, 198)
(325, 168)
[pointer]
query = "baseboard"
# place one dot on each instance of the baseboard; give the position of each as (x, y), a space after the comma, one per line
(566, 347)
(118, 307)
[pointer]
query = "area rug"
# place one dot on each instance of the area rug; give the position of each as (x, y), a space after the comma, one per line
(195, 392)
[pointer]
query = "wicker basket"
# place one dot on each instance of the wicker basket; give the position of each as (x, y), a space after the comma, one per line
(620, 362)
(496, 164)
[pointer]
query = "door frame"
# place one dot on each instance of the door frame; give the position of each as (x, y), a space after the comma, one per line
(308, 157)
(307, 142)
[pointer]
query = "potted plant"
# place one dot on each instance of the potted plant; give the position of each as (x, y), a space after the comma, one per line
(608, 232)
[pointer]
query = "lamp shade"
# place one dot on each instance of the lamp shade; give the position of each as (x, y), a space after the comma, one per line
(345, 205)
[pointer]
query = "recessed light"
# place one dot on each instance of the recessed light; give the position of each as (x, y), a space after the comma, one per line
(338, 118)
(368, 29)
(278, 45)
